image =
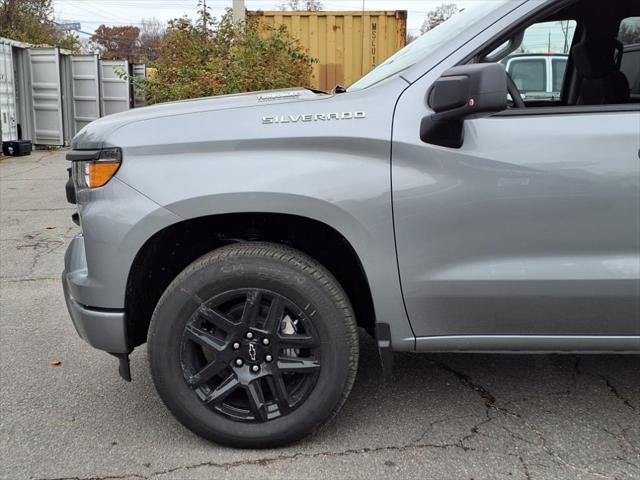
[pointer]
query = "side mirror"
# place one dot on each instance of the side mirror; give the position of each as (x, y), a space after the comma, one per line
(467, 91)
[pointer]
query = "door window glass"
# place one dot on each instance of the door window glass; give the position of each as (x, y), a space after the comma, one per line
(548, 38)
(529, 62)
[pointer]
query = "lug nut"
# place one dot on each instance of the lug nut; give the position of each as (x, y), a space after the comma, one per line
(255, 368)
(265, 341)
(236, 346)
(268, 358)
(249, 335)
(239, 362)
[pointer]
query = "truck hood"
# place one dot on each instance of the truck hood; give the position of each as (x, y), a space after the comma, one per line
(93, 135)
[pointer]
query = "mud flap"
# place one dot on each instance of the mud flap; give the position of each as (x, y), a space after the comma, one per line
(383, 337)
(124, 369)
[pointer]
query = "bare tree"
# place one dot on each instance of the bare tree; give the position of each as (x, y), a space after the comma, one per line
(629, 33)
(412, 37)
(152, 32)
(301, 5)
(439, 15)
(566, 27)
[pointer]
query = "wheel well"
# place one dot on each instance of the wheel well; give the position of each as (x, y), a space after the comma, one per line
(171, 250)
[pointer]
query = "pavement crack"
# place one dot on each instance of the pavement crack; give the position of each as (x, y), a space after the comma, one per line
(626, 462)
(623, 440)
(553, 455)
(41, 246)
(617, 394)
(486, 395)
(457, 444)
(266, 461)
(26, 210)
(525, 468)
(491, 404)
(279, 458)
(27, 279)
(99, 477)
(37, 164)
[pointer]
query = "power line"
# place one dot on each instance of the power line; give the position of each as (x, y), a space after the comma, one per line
(104, 13)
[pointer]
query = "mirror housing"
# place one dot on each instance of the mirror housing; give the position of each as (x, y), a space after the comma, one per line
(467, 91)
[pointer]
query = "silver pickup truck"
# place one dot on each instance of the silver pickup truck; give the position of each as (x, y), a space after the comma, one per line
(245, 238)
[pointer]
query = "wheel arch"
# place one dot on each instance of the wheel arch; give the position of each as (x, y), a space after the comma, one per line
(167, 252)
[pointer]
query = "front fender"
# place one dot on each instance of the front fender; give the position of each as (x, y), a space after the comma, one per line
(356, 203)
(336, 172)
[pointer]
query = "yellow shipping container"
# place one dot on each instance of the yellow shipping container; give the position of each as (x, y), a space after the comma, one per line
(348, 44)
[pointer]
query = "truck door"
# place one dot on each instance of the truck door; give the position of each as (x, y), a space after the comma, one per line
(532, 227)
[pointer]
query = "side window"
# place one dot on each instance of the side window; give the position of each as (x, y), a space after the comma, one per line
(629, 35)
(538, 65)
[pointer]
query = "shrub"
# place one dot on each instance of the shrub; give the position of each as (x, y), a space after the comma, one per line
(225, 58)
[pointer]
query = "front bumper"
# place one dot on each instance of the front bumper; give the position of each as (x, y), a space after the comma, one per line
(104, 329)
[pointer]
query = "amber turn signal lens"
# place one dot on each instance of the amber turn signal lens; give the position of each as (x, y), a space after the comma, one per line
(99, 173)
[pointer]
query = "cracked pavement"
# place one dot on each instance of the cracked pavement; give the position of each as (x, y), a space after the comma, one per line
(445, 416)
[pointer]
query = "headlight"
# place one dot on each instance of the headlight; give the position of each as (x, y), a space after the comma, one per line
(98, 171)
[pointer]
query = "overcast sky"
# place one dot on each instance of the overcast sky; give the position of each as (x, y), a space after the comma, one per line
(92, 13)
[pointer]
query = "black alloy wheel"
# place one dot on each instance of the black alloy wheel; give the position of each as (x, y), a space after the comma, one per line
(251, 354)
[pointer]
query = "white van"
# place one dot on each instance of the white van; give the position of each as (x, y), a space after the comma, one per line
(537, 76)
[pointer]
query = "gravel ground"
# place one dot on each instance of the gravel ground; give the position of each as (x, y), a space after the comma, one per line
(445, 416)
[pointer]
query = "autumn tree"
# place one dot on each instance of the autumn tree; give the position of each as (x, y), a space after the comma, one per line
(301, 5)
(439, 15)
(226, 58)
(32, 21)
(117, 43)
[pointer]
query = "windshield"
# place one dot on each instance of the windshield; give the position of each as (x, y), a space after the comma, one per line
(429, 42)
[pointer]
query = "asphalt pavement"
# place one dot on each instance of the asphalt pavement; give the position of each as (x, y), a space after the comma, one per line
(65, 412)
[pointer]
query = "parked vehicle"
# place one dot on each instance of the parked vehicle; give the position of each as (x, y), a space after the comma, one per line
(537, 76)
(245, 238)
(630, 66)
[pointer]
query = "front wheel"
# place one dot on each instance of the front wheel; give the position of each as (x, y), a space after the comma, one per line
(253, 345)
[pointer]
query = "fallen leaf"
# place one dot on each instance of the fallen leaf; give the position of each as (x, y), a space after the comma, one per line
(55, 363)
(51, 227)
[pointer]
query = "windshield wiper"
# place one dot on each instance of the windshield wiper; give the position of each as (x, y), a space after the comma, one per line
(317, 90)
(338, 89)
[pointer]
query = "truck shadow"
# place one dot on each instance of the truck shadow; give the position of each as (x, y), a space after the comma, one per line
(456, 400)
(462, 400)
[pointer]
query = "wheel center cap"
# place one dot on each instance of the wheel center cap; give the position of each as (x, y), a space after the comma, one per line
(253, 352)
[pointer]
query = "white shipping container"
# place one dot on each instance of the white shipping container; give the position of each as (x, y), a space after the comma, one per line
(86, 90)
(8, 117)
(46, 93)
(115, 90)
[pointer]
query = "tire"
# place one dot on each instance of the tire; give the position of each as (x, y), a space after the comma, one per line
(280, 385)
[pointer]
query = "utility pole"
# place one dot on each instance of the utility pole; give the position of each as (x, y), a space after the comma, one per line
(238, 11)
